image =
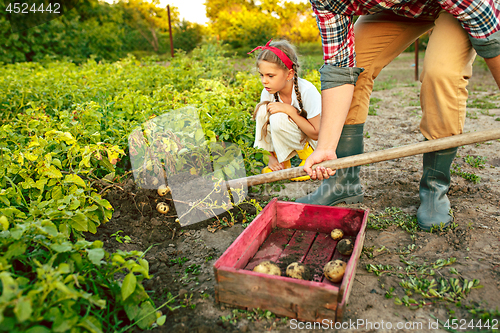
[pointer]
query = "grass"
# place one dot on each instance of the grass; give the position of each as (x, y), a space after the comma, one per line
(393, 216)
(482, 103)
(476, 162)
(372, 109)
(457, 170)
(423, 283)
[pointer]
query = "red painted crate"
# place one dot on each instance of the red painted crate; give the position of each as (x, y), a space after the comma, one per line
(283, 231)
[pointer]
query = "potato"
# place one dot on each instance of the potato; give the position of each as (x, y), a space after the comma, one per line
(163, 190)
(334, 270)
(345, 247)
(337, 234)
(267, 267)
(162, 208)
(298, 270)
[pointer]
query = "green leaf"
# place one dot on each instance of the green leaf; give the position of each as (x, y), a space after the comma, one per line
(15, 249)
(91, 324)
(128, 286)
(49, 228)
(10, 287)
(199, 135)
(57, 163)
(149, 313)
(79, 222)
(96, 255)
(53, 172)
(38, 329)
(161, 320)
(144, 263)
(23, 309)
(74, 179)
(4, 222)
(62, 248)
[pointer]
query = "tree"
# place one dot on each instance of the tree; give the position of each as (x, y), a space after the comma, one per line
(187, 35)
(243, 24)
(149, 19)
(215, 7)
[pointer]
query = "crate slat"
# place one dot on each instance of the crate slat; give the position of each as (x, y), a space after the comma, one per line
(320, 253)
(298, 247)
(323, 219)
(311, 244)
(272, 248)
(247, 240)
(294, 298)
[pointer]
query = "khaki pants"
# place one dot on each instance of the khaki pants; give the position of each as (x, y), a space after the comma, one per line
(447, 68)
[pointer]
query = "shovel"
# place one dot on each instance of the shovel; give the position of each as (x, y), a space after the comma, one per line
(373, 157)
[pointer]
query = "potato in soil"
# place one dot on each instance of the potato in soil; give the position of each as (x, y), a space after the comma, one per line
(267, 267)
(334, 270)
(337, 234)
(298, 270)
(345, 247)
(163, 190)
(162, 208)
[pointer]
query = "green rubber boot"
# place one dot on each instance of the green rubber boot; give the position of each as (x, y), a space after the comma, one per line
(434, 204)
(344, 186)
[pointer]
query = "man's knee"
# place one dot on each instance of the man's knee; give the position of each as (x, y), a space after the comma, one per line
(439, 72)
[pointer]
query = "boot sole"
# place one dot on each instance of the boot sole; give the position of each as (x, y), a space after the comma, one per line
(350, 200)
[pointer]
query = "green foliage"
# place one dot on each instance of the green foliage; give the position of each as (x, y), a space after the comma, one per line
(457, 170)
(393, 216)
(121, 239)
(476, 162)
(372, 110)
(187, 36)
(66, 126)
(416, 280)
(482, 103)
(246, 24)
(48, 280)
(93, 29)
(251, 315)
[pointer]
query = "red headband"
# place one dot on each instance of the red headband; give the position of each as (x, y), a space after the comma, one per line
(283, 57)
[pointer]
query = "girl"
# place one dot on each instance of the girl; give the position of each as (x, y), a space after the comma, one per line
(288, 115)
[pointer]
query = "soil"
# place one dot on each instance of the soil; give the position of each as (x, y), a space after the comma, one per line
(175, 252)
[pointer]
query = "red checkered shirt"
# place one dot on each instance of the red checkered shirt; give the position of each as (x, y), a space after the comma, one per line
(480, 18)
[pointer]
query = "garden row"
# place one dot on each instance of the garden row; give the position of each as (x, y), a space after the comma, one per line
(64, 129)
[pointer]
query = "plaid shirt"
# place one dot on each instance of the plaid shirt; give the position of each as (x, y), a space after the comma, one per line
(480, 18)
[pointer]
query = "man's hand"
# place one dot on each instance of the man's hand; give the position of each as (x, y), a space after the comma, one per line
(319, 156)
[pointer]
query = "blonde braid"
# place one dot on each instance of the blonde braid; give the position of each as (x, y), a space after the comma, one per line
(301, 112)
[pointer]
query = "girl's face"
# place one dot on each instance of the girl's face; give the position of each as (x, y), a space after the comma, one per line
(273, 77)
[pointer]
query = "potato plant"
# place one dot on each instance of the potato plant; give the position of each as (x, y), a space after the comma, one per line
(66, 127)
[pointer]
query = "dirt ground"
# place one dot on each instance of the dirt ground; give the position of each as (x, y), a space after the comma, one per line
(181, 259)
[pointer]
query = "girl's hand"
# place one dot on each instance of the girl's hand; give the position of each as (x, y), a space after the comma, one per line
(319, 156)
(276, 107)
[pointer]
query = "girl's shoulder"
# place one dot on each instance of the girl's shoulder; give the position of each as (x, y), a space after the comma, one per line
(306, 84)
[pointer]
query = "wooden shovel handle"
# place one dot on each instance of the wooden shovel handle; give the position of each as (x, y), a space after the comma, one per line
(373, 157)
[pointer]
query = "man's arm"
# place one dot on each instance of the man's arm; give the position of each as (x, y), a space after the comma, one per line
(338, 77)
(336, 102)
(494, 66)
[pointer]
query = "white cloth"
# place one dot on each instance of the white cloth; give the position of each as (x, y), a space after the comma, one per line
(283, 135)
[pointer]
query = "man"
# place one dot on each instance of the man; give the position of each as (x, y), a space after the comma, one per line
(460, 29)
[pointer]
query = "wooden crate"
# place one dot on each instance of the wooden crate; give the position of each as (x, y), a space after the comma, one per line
(285, 232)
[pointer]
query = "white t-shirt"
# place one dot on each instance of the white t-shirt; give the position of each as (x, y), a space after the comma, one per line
(311, 98)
